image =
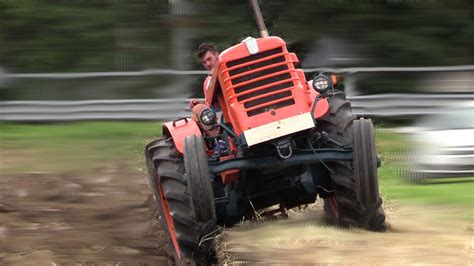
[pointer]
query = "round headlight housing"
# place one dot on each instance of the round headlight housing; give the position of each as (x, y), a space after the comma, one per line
(322, 83)
(208, 117)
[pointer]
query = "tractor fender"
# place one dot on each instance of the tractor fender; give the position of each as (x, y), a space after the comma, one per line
(322, 109)
(179, 129)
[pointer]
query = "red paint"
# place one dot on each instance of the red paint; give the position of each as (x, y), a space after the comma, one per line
(231, 175)
(169, 220)
(322, 107)
(179, 130)
(221, 85)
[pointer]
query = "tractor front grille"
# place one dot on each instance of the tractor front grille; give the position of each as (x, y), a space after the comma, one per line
(262, 82)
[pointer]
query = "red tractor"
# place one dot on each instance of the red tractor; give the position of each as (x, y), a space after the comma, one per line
(266, 137)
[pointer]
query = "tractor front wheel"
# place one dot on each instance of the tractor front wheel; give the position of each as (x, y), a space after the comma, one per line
(184, 204)
(356, 200)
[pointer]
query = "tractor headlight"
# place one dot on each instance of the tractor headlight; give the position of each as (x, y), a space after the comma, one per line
(321, 83)
(208, 117)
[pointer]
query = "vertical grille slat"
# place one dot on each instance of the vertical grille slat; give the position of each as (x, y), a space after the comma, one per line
(277, 96)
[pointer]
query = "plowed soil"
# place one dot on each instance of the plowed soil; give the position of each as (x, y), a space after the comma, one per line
(105, 218)
(101, 218)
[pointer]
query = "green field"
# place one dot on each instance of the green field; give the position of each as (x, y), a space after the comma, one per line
(457, 192)
(73, 147)
(87, 146)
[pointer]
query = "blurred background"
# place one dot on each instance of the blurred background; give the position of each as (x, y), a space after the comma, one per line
(48, 36)
(407, 64)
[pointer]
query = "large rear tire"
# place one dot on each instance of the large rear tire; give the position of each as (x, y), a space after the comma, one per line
(356, 201)
(189, 226)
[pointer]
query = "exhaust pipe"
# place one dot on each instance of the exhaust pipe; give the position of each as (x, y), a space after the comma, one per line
(258, 16)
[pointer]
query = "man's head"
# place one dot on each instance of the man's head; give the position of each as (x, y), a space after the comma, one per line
(208, 55)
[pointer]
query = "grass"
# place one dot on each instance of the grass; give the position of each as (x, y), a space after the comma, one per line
(87, 146)
(456, 192)
(72, 147)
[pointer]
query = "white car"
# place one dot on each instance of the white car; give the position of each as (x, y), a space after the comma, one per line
(445, 144)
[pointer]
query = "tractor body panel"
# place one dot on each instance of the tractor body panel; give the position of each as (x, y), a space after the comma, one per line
(259, 84)
(178, 130)
(278, 129)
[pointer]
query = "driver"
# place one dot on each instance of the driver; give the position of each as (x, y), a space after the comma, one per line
(209, 57)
